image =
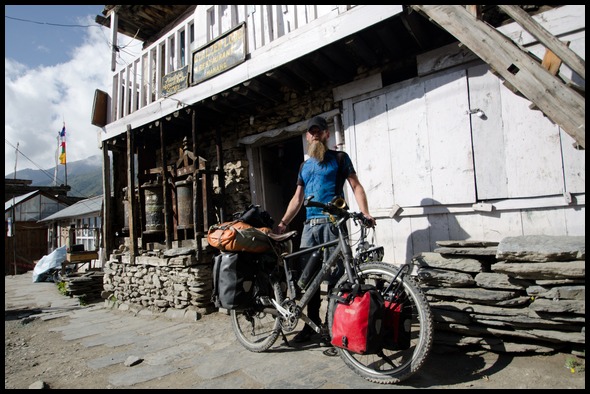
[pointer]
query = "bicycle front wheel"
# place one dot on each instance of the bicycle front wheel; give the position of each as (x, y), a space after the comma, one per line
(256, 328)
(394, 363)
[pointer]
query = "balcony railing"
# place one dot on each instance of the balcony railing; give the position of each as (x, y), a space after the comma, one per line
(139, 84)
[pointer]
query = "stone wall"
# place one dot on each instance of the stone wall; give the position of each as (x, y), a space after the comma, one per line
(161, 281)
(524, 294)
(295, 108)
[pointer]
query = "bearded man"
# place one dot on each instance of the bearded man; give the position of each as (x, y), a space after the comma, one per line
(322, 176)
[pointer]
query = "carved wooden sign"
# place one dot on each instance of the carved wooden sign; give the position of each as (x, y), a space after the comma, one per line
(220, 55)
(175, 81)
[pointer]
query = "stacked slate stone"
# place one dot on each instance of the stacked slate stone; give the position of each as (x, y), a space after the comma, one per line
(86, 286)
(160, 280)
(524, 294)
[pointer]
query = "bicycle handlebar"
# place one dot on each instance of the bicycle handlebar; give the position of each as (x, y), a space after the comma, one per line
(332, 209)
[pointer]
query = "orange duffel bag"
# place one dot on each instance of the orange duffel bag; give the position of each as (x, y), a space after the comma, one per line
(238, 236)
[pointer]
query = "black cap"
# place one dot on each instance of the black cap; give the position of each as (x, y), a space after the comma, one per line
(319, 122)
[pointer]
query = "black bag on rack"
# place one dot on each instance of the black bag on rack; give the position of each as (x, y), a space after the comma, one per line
(233, 280)
(255, 217)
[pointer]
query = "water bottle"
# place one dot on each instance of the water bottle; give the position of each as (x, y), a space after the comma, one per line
(309, 271)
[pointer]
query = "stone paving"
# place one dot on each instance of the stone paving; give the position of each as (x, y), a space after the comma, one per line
(208, 350)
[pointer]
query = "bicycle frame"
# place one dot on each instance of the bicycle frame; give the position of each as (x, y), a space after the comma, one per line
(343, 249)
(279, 305)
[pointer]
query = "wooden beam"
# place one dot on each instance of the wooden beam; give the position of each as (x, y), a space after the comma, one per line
(474, 9)
(361, 49)
(303, 72)
(263, 90)
(551, 62)
(329, 68)
(285, 79)
(558, 102)
(338, 54)
(569, 57)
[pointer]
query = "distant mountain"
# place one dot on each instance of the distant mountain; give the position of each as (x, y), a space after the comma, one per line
(84, 176)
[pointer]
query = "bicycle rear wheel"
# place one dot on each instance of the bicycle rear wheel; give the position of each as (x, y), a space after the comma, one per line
(256, 328)
(393, 365)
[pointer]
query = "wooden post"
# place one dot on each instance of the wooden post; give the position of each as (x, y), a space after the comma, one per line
(133, 231)
(221, 174)
(107, 211)
(165, 202)
(197, 212)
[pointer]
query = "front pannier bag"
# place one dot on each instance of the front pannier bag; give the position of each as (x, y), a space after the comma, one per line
(397, 322)
(357, 324)
(233, 280)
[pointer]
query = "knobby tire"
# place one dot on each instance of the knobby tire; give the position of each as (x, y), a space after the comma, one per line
(254, 328)
(378, 368)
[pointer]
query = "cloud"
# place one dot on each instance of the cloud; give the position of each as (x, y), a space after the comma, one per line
(43, 48)
(39, 100)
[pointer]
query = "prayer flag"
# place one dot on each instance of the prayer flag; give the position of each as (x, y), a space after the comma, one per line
(62, 155)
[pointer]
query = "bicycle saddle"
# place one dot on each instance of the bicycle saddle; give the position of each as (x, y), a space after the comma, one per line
(282, 237)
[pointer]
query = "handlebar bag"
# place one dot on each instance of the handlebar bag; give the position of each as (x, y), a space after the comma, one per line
(238, 236)
(357, 324)
(233, 281)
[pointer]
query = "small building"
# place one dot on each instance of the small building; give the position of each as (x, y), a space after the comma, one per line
(78, 224)
(25, 239)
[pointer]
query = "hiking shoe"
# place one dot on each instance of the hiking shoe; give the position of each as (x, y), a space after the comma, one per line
(304, 335)
(325, 341)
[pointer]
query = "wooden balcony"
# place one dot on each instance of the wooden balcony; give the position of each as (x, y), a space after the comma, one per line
(275, 35)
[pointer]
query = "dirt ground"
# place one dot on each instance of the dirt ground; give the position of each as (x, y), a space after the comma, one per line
(34, 353)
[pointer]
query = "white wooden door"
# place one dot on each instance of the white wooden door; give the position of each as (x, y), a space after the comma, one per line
(517, 151)
(424, 146)
(412, 143)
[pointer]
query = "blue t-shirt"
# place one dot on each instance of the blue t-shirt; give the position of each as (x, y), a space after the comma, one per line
(324, 180)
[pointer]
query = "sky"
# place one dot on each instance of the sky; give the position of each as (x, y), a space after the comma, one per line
(55, 57)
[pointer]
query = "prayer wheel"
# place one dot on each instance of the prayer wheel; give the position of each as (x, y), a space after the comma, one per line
(184, 200)
(154, 207)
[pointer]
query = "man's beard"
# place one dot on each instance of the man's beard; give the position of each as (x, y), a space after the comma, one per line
(317, 150)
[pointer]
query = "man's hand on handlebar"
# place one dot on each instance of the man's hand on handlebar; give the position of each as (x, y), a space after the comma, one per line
(369, 220)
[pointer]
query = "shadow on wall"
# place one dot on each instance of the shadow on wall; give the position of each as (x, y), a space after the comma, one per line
(442, 226)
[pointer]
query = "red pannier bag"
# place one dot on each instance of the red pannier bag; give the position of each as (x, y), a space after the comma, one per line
(357, 322)
(397, 322)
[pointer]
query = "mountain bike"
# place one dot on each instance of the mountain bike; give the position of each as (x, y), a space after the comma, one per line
(279, 304)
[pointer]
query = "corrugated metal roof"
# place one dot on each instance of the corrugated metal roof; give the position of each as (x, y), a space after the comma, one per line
(17, 200)
(86, 207)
